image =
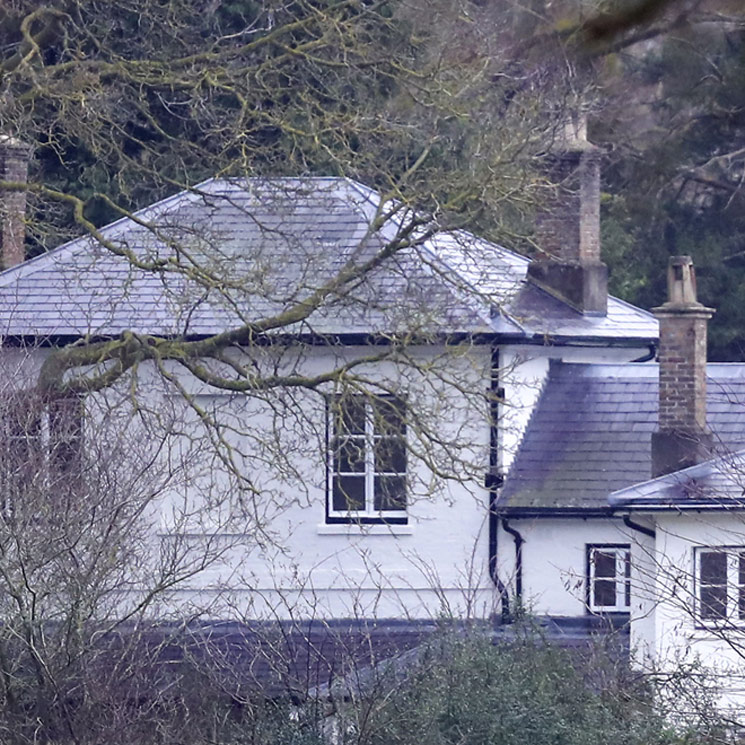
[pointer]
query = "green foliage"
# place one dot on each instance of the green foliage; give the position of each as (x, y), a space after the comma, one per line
(468, 691)
(676, 177)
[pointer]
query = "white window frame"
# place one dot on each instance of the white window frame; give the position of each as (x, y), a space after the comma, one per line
(734, 589)
(368, 514)
(622, 553)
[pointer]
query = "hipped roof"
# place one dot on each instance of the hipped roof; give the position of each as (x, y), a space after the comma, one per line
(270, 243)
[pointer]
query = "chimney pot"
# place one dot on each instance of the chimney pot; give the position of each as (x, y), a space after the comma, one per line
(681, 283)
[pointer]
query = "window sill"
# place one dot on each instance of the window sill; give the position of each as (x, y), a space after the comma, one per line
(361, 529)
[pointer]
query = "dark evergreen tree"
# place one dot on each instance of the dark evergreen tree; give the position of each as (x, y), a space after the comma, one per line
(675, 182)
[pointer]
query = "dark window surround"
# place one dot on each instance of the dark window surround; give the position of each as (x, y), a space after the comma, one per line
(44, 441)
(66, 422)
(54, 429)
(391, 517)
(615, 610)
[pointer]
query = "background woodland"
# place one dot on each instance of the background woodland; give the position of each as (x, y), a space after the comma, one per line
(126, 103)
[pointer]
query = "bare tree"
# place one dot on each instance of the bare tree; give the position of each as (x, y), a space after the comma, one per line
(423, 103)
(146, 99)
(237, 393)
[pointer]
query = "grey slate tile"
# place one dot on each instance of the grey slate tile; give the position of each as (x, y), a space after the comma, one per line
(278, 240)
(602, 437)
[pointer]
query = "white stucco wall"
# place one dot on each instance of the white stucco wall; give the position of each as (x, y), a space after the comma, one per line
(283, 560)
(678, 640)
(270, 551)
(296, 565)
(554, 563)
(437, 564)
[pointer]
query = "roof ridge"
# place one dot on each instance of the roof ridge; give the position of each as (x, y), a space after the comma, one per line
(481, 296)
(477, 299)
(640, 369)
(724, 370)
(635, 308)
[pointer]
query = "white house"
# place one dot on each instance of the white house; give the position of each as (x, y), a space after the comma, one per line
(363, 417)
(626, 498)
(452, 335)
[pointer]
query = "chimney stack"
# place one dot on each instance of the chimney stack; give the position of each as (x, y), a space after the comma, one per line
(568, 225)
(682, 438)
(14, 157)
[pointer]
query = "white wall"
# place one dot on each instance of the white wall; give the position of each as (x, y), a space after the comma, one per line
(554, 562)
(271, 552)
(293, 564)
(262, 548)
(680, 641)
(438, 562)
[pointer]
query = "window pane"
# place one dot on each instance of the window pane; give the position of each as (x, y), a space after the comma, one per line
(25, 422)
(390, 455)
(627, 575)
(66, 434)
(348, 493)
(713, 601)
(389, 416)
(605, 564)
(349, 455)
(390, 493)
(368, 453)
(604, 593)
(713, 569)
(349, 415)
(23, 454)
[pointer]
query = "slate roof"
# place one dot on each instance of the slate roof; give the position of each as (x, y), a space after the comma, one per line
(276, 659)
(590, 433)
(584, 637)
(523, 310)
(316, 659)
(267, 243)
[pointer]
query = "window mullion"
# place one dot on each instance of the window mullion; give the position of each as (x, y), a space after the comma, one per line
(593, 551)
(606, 578)
(45, 430)
(620, 577)
(732, 586)
(45, 443)
(331, 440)
(369, 458)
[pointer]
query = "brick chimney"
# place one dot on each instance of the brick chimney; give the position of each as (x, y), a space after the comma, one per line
(14, 157)
(568, 224)
(682, 438)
